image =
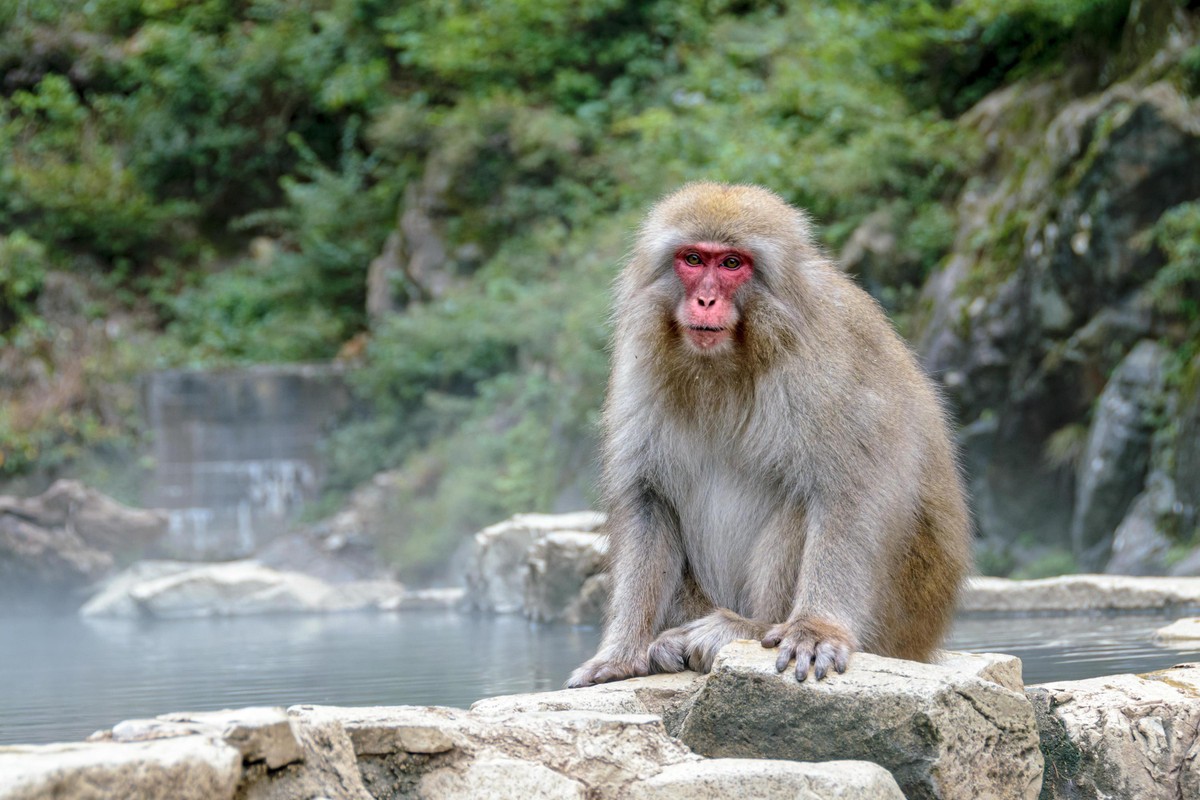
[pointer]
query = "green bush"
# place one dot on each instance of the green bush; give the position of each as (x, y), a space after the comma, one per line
(23, 267)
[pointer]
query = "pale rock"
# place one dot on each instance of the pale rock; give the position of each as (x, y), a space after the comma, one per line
(667, 696)
(999, 668)
(114, 599)
(1182, 633)
(738, 778)
(176, 590)
(184, 768)
(361, 595)
(1122, 736)
(1079, 593)
(496, 576)
(941, 733)
(329, 769)
(100, 521)
(499, 777)
(260, 733)
(386, 730)
(602, 752)
(440, 599)
(280, 757)
(557, 567)
(587, 607)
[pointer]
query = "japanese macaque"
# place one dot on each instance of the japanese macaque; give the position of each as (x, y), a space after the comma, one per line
(776, 466)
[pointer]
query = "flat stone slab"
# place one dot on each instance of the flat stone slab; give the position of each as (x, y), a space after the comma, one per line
(667, 696)
(1180, 633)
(1135, 736)
(445, 599)
(1078, 594)
(171, 590)
(942, 733)
(259, 733)
(741, 778)
(182, 768)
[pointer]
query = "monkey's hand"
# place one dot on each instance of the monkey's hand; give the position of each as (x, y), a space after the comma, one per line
(604, 668)
(814, 642)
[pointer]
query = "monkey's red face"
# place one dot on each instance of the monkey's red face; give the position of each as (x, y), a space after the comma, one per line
(710, 274)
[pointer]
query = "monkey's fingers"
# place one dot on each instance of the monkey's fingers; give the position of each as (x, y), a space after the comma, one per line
(804, 660)
(816, 647)
(831, 654)
(668, 652)
(786, 652)
(607, 670)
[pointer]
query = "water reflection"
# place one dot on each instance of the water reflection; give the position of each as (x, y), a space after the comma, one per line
(62, 678)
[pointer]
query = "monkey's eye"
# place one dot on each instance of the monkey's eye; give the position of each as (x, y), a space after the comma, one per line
(693, 259)
(733, 262)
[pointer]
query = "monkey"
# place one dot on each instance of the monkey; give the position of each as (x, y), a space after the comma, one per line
(775, 465)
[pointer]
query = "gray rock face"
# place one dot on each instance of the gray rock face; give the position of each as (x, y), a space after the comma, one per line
(557, 567)
(99, 521)
(496, 576)
(55, 544)
(1117, 451)
(1187, 449)
(1139, 547)
(1024, 329)
(940, 733)
(1125, 736)
(175, 590)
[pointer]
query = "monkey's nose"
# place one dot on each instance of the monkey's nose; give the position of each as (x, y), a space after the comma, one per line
(706, 302)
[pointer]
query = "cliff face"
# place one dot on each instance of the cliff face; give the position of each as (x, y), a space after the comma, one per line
(1063, 324)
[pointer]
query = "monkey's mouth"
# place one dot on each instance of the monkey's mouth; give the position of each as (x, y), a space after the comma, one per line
(706, 337)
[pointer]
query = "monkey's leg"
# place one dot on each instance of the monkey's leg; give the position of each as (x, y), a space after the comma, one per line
(695, 644)
(834, 598)
(646, 557)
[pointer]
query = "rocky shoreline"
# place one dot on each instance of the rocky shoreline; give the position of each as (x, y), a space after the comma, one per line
(965, 727)
(962, 728)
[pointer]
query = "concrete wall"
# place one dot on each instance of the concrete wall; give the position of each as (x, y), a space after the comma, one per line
(235, 451)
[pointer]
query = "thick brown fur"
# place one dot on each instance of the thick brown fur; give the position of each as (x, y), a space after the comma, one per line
(799, 486)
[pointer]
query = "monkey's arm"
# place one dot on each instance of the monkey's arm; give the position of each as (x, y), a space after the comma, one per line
(646, 568)
(833, 602)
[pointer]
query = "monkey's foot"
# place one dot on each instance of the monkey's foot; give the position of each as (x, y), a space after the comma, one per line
(813, 642)
(603, 669)
(696, 644)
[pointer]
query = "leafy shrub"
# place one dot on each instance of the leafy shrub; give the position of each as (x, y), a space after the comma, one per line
(1176, 286)
(23, 266)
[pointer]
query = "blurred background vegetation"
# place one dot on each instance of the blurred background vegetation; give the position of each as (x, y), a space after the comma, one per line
(208, 182)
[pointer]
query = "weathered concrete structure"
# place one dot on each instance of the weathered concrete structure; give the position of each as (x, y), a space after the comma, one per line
(235, 451)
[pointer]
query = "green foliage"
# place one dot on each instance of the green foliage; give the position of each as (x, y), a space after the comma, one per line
(66, 180)
(1190, 69)
(557, 49)
(1176, 286)
(1050, 564)
(231, 167)
(23, 266)
(951, 55)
